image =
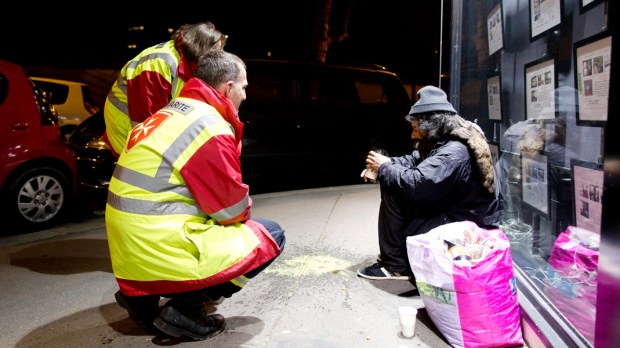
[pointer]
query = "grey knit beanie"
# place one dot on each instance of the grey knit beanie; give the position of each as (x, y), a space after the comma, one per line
(431, 99)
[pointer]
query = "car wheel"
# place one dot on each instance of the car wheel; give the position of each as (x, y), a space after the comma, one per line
(38, 197)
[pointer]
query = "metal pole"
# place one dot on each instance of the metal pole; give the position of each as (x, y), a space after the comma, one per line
(440, 40)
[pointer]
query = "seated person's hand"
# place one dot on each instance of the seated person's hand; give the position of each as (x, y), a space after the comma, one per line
(373, 162)
(369, 175)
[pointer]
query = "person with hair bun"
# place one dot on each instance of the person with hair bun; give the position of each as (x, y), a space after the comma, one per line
(154, 77)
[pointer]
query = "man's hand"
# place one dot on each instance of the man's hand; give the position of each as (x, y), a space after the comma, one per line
(374, 160)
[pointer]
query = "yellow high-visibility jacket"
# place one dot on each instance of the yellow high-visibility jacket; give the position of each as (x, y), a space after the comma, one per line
(145, 84)
(177, 210)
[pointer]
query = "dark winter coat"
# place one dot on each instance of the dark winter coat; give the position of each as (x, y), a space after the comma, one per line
(444, 187)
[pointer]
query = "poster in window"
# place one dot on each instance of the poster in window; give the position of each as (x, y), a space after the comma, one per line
(544, 15)
(494, 101)
(495, 32)
(534, 183)
(592, 76)
(585, 5)
(588, 194)
(540, 84)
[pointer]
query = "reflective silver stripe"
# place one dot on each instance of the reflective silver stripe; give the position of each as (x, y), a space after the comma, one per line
(143, 207)
(186, 138)
(160, 182)
(232, 211)
(156, 184)
(165, 56)
(177, 85)
(122, 85)
(182, 142)
(240, 281)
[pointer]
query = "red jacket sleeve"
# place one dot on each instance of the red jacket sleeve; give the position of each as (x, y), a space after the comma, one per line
(213, 176)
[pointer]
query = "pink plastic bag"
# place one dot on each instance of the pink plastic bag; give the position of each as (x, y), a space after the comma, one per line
(572, 274)
(574, 298)
(473, 303)
(575, 252)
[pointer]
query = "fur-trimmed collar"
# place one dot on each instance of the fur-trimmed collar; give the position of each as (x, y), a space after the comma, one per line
(470, 134)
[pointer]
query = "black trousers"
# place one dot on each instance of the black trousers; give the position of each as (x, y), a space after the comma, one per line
(399, 219)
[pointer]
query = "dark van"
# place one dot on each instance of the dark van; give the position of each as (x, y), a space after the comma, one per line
(315, 123)
(305, 125)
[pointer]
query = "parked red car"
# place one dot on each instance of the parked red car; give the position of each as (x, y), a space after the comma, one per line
(38, 170)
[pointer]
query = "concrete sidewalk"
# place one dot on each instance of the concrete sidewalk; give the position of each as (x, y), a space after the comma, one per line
(59, 288)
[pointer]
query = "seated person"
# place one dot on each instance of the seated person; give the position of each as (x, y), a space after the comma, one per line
(449, 177)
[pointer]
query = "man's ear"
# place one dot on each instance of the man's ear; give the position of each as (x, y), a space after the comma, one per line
(228, 89)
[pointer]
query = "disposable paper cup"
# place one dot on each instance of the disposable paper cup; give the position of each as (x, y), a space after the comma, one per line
(407, 320)
(370, 174)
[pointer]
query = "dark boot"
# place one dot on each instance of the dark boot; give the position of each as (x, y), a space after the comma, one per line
(184, 316)
(142, 309)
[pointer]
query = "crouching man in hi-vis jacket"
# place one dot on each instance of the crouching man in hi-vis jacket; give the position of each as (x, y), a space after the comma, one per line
(178, 216)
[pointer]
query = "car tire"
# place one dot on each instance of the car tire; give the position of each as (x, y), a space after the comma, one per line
(38, 198)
